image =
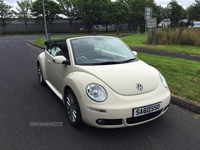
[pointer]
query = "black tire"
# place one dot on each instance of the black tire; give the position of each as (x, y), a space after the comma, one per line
(40, 76)
(72, 109)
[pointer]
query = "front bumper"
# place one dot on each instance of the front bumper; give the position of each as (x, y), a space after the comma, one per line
(117, 110)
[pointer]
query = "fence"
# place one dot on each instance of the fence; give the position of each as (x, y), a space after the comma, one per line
(58, 26)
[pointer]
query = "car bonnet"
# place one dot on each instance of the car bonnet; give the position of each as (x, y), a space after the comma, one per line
(126, 79)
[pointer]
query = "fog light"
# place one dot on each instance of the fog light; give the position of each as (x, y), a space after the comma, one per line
(100, 122)
(109, 121)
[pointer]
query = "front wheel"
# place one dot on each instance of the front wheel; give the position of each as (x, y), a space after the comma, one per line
(73, 109)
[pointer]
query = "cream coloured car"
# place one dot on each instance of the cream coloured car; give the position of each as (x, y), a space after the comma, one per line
(102, 83)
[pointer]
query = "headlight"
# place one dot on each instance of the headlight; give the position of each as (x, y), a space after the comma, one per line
(163, 80)
(96, 92)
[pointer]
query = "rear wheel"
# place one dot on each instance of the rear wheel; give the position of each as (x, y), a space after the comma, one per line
(73, 109)
(40, 76)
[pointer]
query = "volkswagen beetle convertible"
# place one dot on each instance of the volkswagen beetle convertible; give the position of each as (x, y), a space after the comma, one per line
(102, 83)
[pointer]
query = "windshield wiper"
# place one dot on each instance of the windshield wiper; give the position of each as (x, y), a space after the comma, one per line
(129, 60)
(106, 63)
(114, 62)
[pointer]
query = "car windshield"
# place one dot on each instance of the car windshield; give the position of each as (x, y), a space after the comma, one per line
(101, 51)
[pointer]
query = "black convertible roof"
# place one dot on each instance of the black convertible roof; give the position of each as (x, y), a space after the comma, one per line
(52, 42)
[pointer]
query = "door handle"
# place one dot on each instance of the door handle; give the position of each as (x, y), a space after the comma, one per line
(49, 61)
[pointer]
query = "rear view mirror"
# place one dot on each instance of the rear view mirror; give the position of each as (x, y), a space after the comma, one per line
(135, 53)
(60, 60)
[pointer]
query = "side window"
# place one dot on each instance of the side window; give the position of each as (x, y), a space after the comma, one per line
(55, 51)
(48, 50)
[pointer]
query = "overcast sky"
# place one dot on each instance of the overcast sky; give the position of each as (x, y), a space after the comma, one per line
(184, 3)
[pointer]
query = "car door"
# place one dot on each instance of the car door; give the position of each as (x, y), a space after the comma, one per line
(49, 63)
(56, 73)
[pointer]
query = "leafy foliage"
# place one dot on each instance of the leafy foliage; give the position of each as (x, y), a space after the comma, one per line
(137, 9)
(194, 11)
(6, 14)
(119, 12)
(52, 10)
(101, 12)
(69, 10)
(174, 13)
(23, 12)
(92, 12)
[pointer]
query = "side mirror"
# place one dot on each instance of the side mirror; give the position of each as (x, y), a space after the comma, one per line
(60, 60)
(134, 53)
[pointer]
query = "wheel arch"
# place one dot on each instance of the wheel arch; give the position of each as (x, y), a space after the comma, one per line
(64, 93)
(41, 62)
(71, 84)
(77, 82)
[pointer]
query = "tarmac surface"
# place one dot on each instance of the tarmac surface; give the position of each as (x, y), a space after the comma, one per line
(194, 107)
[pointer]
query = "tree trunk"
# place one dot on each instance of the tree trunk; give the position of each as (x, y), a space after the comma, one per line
(106, 27)
(26, 28)
(117, 28)
(51, 30)
(5, 29)
(93, 27)
(88, 24)
(130, 26)
(70, 21)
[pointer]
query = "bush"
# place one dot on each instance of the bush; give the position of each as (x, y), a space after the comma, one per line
(177, 36)
(197, 43)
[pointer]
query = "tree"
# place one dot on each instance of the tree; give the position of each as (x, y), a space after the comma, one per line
(157, 11)
(52, 10)
(23, 12)
(68, 9)
(5, 14)
(174, 13)
(161, 13)
(91, 12)
(107, 15)
(119, 12)
(194, 11)
(137, 8)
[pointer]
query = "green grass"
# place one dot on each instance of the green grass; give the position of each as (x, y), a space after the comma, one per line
(140, 41)
(183, 76)
(135, 40)
(40, 42)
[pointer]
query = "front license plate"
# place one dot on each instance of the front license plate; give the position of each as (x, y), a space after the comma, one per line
(147, 109)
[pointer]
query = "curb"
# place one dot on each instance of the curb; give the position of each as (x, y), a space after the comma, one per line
(189, 105)
(32, 43)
